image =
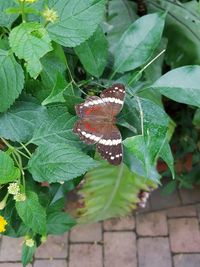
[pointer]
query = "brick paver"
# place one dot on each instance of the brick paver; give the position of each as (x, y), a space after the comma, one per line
(86, 233)
(10, 249)
(152, 224)
(187, 260)
(184, 235)
(14, 264)
(120, 249)
(154, 252)
(86, 255)
(50, 263)
(120, 224)
(185, 211)
(190, 196)
(159, 201)
(54, 247)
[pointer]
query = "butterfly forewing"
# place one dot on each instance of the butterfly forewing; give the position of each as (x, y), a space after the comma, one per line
(113, 97)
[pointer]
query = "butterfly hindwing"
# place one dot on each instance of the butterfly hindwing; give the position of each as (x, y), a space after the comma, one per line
(110, 145)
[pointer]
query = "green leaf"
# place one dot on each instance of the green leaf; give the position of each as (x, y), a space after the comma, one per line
(56, 94)
(121, 14)
(54, 60)
(19, 122)
(27, 254)
(167, 156)
(71, 101)
(138, 42)
(5, 19)
(59, 162)
(32, 213)
(196, 119)
(8, 172)
(30, 41)
(182, 22)
(93, 53)
(11, 79)
(146, 147)
(181, 85)
(56, 128)
(77, 20)
(59, 223)
(110, 191)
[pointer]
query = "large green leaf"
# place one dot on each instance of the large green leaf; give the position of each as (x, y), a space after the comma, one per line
(146, 146)
(138, 42)
(32, 213)
(7, 19)
(121, 14)
(77, 20)
(93, 53)
(111, 191)
(30, 41)
(59, 162)
(182, 22)
(11, 79)
(56, 128)
(19, 122)
(8, 172)
(59, 223)
(181, 85)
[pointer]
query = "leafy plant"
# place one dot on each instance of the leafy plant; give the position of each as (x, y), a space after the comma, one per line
(52, 55)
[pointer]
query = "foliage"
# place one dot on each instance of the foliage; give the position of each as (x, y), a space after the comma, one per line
(55, 53)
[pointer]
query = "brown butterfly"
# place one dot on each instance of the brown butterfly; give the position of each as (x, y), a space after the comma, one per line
(97, 123)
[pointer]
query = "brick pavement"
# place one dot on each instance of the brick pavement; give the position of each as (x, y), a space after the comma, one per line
(165, 234)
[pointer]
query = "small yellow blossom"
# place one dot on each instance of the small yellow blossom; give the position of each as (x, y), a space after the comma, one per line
(29, 242)
(28, 1)
(50, 15)
(13, 188)
(3, 223)
(20, 197)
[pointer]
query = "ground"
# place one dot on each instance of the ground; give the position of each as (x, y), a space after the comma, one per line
(165, 234)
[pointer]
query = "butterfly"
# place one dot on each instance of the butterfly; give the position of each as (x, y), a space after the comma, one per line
(97, 122)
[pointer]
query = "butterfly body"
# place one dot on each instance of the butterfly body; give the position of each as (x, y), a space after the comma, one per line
(97, 122)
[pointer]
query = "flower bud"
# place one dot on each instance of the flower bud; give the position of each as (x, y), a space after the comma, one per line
(50, 15)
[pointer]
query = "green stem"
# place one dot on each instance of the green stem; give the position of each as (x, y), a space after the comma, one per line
(23, 11)
(145, 67)
(25, 148)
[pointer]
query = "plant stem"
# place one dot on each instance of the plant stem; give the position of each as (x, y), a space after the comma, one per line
(25, 148)
(145, 67)
(23, 11)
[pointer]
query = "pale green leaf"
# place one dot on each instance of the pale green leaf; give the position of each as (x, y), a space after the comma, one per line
(27, 254)
(138, 42)
(11, 80)
(59, 162)
(93, 53)
(8, 172)
(19, 122)
(32, 213)
(181, 85)
(30, 41)
(77, 20)
(111, 191)
(59, 223)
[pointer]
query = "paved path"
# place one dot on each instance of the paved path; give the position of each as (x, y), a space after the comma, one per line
(165, 234)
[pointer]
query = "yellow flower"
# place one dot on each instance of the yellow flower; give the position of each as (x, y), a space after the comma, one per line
(29, 242)
(28, 1)
(50, 15)
(3, 223)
